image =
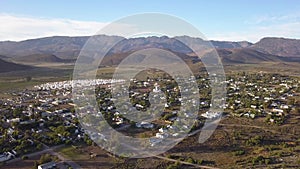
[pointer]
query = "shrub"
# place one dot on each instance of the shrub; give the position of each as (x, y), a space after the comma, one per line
(254, 141)
(24, 157)
(239, 152)
(174, 166)
(190, 160)
(267, 161)
(260, 160)
(200, 161)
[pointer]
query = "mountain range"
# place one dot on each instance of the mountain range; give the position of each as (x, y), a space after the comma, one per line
(63, 49)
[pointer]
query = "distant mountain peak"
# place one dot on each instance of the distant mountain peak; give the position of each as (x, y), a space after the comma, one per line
(279, 46)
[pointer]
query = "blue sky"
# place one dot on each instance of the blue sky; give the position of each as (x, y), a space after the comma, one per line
(219, 20)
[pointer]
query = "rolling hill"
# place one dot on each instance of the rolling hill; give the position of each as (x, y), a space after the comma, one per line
(9, 66)
(246, 55)
(61, 46)
(41, 58)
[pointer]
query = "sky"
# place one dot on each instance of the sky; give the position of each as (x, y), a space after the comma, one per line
(218, 20)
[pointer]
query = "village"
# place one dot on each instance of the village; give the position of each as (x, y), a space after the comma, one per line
(32, 120)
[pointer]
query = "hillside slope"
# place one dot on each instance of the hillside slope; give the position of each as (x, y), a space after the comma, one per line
(279, 46)
(9, 66)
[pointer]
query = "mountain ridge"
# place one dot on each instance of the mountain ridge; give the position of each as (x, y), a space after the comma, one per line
(279, 46)
(66, 48)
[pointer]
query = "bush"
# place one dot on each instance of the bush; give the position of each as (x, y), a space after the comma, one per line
(257, 140)
(267, 161)
(257, 159)
(24, 157)
(260, 160)
(169, 156)
(45, 158)
(39, 146)
(200, 162)
(239, 152)
(68, 142)
(190, 160)
(174, 166)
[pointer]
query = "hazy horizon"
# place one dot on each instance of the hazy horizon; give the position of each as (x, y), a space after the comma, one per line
(279, 37)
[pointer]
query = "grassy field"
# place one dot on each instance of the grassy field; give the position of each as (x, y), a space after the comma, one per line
(19, 80)
(72, 153)
(290, 69)
(82, 156)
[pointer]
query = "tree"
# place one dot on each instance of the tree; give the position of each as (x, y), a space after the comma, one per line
(28, 78)
(174, 166)
(24, 157)
(35, 165)
(45, 158)
(39, 146)
(190, 160)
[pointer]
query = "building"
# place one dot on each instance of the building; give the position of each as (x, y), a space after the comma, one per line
(49, 165)
(156, 88)
(6, 156)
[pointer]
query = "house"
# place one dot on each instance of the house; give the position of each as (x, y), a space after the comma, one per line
(139, 106)
(175, 134)
(14, 120)
(119, 121)
(28, 121)
(154, 141)
(6, 156)
(284, 106)
(156, 88)
(277, 110)
(49, 165)
(10, 131)
(252, 115)
(144, 125)
(211, 115)
(162, 130)
(161, 135)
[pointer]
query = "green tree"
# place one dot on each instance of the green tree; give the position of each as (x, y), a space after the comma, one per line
(45, 158)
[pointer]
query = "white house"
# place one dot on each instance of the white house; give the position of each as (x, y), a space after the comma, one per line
(49, 165)
(144, 125)
(156, 88)
(277, 110)
(6, 156)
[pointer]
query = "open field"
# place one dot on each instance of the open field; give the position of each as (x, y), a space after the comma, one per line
(14, 81)
(228, 145)
(17, 80)
(290, 69)
(82, 155)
